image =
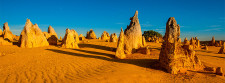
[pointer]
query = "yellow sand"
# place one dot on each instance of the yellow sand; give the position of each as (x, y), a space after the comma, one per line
(94, 62)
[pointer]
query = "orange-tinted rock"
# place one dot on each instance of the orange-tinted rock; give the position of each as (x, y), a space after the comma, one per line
(105, 36)
(222, 49)
(143, 41)
(133, 35)
(113, 37)
(81, 37)
(1, 33)
(120, 46)
(7, 34)
(213, 41)
(70, 39)
(173, 56)
(53, 38)
(148, 52)
(219, 71)
(4, 42)
(32, 36)
(91, 35)
(186, 42)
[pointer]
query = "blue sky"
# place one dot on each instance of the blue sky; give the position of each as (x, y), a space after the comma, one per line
(201, 18)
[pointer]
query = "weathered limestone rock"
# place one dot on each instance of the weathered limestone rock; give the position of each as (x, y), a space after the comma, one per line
(206, 47)
(173, 56)
(213, 42)
(1, 33)
(219, 71)
(81, 37)
(148, 52)
(4, 42)
(46, 35)
(7, 34)
(53, 38)
(70, 39)
(60, 38)
(222, 49)
(198, 43)
(186, 42)
(91, 35)
(105, 36)
(120, 46)
(143, 41)
(32, 36)
(113, 37)
(133, 35)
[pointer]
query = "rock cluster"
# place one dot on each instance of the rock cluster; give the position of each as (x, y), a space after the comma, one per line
(113, 37)
(174, 57)
(70, 39)
(51, 36)
(132, 37)
(91, 35)
(105, 36)
(155, 39)
(222, 49)
(32, 36)
(7, 34)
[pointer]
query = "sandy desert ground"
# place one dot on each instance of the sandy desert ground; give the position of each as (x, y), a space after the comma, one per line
(94, 62)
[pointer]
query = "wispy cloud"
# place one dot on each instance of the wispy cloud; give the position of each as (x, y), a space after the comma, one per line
(214, 29)
(146, 25)
(120, 23)
(214, 26)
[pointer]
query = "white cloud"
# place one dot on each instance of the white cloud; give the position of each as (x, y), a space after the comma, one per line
(214, 29)
(214, 26)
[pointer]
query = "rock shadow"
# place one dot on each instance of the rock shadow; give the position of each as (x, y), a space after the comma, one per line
(97, 47)
(146, 63)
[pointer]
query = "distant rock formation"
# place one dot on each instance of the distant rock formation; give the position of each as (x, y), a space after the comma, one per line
(143, 41)
(81, 37)
(174, 57)
(105, 36)
(120, 46)
(7, 34)
(91, 35)
(113, 37)
(213, 41)
(32, 36)
(70, 39)
(4, 42)
(52, 36)
(132, 39)
(222, 49)
(186, 42)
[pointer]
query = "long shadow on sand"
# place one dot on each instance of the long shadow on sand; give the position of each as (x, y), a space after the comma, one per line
(96, 47)
(214, 56)
(146, 63)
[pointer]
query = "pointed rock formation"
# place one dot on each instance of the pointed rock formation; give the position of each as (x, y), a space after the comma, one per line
(105, 36)
(198, 43)
(173, 57)
(120, 46)
(133, 35)
(148, 52)
(81, 37)
(91, 35)
(186, 42)
(222, 49)
(70, 39)
(213, 41)
(113, 37)
(4, 42)
(7, 34)
(32, 36)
